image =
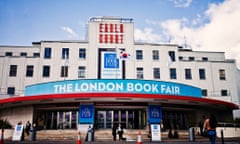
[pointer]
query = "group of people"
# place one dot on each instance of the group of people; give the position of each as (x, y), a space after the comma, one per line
(208, 127)
(28, 128)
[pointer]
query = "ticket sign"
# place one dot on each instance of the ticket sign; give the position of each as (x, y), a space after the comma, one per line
(155, 132)
(17, 134)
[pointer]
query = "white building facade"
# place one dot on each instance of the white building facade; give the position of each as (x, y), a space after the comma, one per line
(110, 78)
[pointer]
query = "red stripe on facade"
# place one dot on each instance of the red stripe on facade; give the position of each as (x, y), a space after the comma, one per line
(117, 95)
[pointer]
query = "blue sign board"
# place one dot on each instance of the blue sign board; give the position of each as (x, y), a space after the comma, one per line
(115, 86)
(86, 114)
(154, 114)
(110, 60)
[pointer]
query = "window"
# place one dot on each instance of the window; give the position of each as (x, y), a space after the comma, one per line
(47, 53)
(173, 73)
(23, 54)
(204, 59)
(36, 55)
(139, 73)
(202, 75)
(204, 92)
(64, 71)
(191, 58)
(46, 71)
(139, 54)
(188, 74)
(156, 73)
(11, 90)
(81, 72)
(180, 57)
(172, 55)
(222, 74)
(224, 93)
(155, 55)
(82, 53)
(29, 72)
(65, 53)
(8, 54)
(13, 70)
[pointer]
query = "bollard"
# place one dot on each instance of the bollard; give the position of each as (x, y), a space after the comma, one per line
(139, 138)
(222, 137)
(191, 134)
(79, 138)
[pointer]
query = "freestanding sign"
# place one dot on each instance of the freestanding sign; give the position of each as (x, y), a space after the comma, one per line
(17, 134)
(155, 132)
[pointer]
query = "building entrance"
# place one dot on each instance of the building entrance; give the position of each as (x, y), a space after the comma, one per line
(130, 119)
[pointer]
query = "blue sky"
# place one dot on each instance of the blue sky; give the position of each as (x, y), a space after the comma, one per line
(205, 25)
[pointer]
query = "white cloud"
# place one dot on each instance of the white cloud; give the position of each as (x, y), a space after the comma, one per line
(146, 35)
(220, 33)
(71, 33)
(181, 3)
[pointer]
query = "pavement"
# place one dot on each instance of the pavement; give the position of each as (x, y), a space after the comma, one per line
(168, 141)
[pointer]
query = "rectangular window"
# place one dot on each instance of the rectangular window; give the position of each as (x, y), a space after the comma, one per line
(188, 74)
(204, 59)
(202, 75)
(29, 72)
(82, 53)
(36, 55)
(13, 70)
(155, 55)
(8, 54)
(191, 58)
(222, 75)
(65, 53)
(204, 92)
(172, 55)
(139, 73)
(47, 53)
(139, 54)
(11, 91)
(224, 93)
(156, 73)
(23, 54)
(46, 71)
(173, 73)
(81, 72)
(64, 71)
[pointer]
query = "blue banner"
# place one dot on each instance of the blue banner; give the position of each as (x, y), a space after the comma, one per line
(86, 114)
(154, 114)
(114, 86)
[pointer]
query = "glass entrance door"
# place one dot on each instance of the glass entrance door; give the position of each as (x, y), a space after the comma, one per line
(131, 119)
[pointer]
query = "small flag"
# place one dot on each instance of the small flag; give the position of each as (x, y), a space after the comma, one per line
(170, 61)
(124, 55)
(66, 59)
(121, 54)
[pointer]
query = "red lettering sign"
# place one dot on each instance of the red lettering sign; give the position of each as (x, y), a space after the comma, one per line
(111, 33)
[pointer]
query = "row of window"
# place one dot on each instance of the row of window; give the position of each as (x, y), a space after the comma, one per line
(82, 54)
(139, 72)
(173, 73)
(23, 54)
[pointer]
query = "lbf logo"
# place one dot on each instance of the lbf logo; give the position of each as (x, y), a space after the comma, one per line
(110, 60)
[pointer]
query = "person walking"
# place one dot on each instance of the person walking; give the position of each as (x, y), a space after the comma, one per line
(120, 131)
(210, 125)
(201, 123)
(114, 132)
(27, 128)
